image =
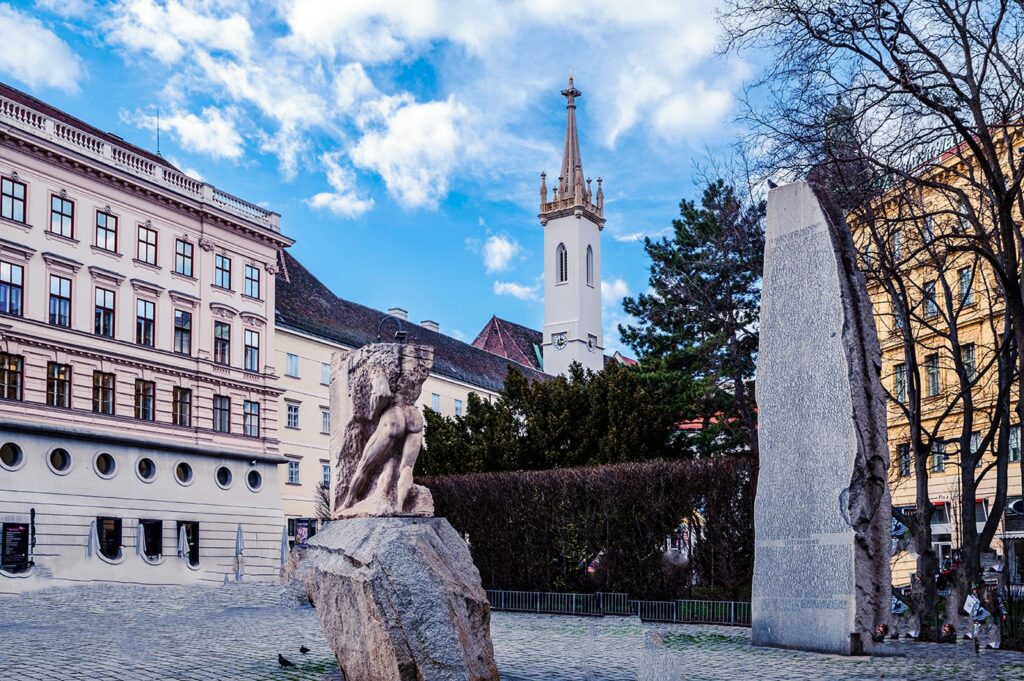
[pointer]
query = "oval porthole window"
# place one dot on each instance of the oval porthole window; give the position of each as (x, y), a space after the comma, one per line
(11, 456)
(146, 469)
(60, 460)
(254, 480)
(105, 465)
(224, 477)
(183, 473)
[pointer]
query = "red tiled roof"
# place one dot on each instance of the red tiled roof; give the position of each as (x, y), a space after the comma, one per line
(304, 303)
(512, 341)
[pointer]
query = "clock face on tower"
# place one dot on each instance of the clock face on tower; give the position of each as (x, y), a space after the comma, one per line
(559, 341)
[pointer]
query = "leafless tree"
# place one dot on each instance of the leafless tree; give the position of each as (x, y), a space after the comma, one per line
(929, 95)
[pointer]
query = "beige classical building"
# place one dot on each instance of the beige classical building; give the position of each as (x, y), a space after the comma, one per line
(138, 419)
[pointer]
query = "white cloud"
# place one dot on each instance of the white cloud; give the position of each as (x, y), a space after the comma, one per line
(32, 53)
(689, 112)
(168, 31)
(414, 148)
(499, 251)
(71, 9)
(351, 86)
(344, 201)
(640, 235)
(520, 291)
(191, 172)
(612, 292)
(214, 133)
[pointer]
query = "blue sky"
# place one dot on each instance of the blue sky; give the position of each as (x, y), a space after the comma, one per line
(402, 140)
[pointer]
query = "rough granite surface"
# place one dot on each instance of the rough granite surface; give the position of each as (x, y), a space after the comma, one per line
(821, 572)
(399, 598)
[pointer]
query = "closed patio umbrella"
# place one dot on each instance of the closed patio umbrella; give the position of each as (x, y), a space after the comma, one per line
(285, 549)
(93, 545)
(182, 543)
(239, 551)
(140, 541)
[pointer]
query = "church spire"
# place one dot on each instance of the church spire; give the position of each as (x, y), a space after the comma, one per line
(572, 162)
(572, 192)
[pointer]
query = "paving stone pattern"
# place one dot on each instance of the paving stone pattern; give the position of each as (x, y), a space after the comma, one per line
(235, 632)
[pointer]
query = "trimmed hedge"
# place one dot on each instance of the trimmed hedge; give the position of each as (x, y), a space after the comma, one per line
(539, 530)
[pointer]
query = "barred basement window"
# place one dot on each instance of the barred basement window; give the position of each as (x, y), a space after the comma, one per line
(103, 385)
(181, 407)
(11, 376)
(58, 385)
(12, 279)
(62, 216)
(145, 400)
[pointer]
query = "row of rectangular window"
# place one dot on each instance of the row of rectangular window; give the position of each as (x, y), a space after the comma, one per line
(110, 539)
(12, 294)
(294, 477)
(933, 385)
(62, 219)
(965, 277)
(291, 368)
(938, 463)
(58, 394)
(292, 417)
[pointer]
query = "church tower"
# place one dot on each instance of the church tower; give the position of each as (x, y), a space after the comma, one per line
(572, 219)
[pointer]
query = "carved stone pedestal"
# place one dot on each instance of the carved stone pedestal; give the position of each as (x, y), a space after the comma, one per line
(400, 599)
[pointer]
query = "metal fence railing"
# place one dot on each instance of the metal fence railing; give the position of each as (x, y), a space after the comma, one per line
(732, 613)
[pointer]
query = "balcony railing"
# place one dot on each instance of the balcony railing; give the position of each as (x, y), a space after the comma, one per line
(28, 119)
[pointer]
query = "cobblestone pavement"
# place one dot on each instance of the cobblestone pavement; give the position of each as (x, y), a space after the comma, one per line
(235, 632)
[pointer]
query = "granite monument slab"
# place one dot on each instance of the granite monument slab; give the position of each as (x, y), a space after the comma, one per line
(822, 511)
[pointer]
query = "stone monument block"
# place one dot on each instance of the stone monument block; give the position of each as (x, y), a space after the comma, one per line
(400, 598)
(822, 511)
(396, 590)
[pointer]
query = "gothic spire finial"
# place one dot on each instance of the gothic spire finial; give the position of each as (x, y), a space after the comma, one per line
(571, 158)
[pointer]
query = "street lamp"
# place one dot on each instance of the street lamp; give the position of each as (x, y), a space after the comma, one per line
(400, 332)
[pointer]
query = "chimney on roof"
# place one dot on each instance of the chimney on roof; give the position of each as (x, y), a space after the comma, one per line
(431, 324)
(399, 313)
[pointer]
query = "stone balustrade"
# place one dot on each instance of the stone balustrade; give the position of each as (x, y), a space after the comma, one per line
(28, 119)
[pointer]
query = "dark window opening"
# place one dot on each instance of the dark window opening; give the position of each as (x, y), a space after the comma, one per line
(108, 531)
(152, 538)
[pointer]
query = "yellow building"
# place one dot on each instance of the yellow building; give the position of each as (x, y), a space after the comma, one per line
(944, 291)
